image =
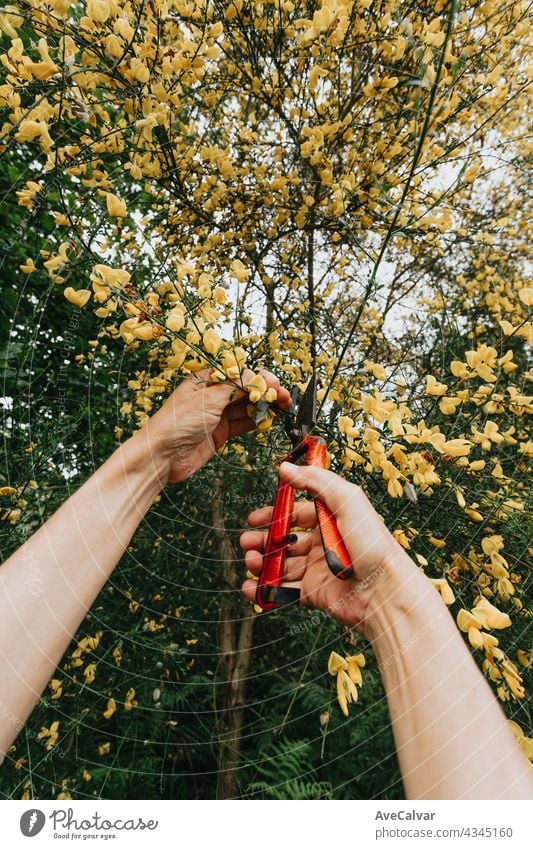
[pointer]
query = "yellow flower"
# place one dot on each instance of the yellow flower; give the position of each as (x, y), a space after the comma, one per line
(345, 423)
(175, 320)
(448, 406)
(129, 701)
(31, 130)
(78, 297)
(348, 672)
(346, 691)
(376, 369)
(116, 207)
(336, 662)
(314, 75)
(483, 361)
(46, 67)
(28, 267)
(490, 616)
(471, 625)
(355, 663)
(90, 672)
(524, 658)
(401, 537)
(433, 387)
(139, 70)
(104, 275)
(526, 295)
(474, 514)
(444, 589)
(256, 388)
(132, 329)
(98, 10)
(239, 271)
(525, 743)
(488, 436)
(492, 545)
(459, 369)
(231, 364)
(211, 341)
(456, 447)
(110, 710)
(50, 735)
(56, 688)
(104, 748)
(438, 543)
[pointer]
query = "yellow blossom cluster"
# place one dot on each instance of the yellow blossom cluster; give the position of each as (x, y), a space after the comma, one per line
(497, 666)
(236, 184)
(348, 676)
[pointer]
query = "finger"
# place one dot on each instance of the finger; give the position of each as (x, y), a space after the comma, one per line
(250, 540)
(249, 589)
(334, 490)
(253, 560)
(304, 515)
(256, 540)
(294, 567)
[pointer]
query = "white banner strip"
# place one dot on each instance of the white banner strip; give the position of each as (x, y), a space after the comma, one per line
(255, 824)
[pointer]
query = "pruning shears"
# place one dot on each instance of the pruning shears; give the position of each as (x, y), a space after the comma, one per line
(310, 449)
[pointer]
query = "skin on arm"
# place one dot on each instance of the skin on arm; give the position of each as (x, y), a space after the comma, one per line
(76, 550)
(452, 738)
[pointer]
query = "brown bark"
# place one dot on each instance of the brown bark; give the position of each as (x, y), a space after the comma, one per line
(234, 647)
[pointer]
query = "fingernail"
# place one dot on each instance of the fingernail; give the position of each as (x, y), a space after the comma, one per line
(288, 467)
(289, 539)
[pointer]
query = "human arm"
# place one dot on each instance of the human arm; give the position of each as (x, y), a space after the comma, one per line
(451, 736)
(49, 583)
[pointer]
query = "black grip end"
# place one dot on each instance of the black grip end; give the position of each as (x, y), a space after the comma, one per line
(338, 568)
(277, 595)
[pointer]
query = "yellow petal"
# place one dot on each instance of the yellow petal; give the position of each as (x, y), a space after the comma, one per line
(258, 383)
(335, 663)
(211, 341)
(475, 637)
(78, 297)
(526, 295)
(116, 207)
(110, 710)
(466, 620)
(490, 616)
(239, 271)
(341, 696)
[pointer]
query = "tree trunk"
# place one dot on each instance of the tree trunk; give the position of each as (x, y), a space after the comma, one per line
(234, 648)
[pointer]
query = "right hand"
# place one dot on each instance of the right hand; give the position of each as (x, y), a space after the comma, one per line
(378, 560)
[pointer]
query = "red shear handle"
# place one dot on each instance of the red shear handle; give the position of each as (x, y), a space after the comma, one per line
(335, 551)
(270, 594)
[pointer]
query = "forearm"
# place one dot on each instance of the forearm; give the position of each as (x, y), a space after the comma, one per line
(451, 736)
(47, 586)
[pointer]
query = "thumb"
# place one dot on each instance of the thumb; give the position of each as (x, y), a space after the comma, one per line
(332, 489)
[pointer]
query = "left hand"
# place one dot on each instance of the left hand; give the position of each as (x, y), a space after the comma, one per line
(198, 418)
